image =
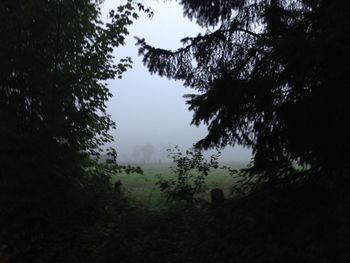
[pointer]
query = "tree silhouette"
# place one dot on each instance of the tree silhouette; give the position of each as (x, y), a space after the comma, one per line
(55, 59)
(53, 72)
(272, 75)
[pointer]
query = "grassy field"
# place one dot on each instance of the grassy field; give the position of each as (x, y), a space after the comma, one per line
(144, 189)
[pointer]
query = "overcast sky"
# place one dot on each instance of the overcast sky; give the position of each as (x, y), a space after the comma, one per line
(150, 110)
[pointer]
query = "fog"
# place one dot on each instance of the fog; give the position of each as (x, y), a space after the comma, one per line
(150, 111)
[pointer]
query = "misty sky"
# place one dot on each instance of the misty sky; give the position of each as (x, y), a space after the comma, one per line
(146, 108)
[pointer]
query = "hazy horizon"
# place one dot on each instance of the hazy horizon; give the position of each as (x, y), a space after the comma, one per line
(148, 109)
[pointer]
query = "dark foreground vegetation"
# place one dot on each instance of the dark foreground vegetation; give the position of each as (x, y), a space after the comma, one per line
(308, 223)
(272, 76)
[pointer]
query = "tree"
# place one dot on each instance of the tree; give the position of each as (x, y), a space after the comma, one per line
(147, 152)
(272, 75)
(55, 59)
(53, 72)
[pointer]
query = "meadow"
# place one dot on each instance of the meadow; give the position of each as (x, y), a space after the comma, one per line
(144, 189)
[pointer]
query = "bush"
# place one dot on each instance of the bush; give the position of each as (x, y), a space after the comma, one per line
(191, 170)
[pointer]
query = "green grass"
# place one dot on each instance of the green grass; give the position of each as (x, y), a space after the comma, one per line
(144, 189)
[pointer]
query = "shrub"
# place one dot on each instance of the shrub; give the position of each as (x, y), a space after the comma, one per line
(191, 169)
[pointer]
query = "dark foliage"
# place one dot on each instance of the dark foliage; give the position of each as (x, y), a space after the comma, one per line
(190, 170)
(301, 224)
(272, 76)
(55, 59)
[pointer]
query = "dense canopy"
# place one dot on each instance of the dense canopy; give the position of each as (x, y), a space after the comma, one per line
(55, 59)
(272, 76)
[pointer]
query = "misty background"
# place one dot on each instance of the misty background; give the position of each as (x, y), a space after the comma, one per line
(150, 111)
